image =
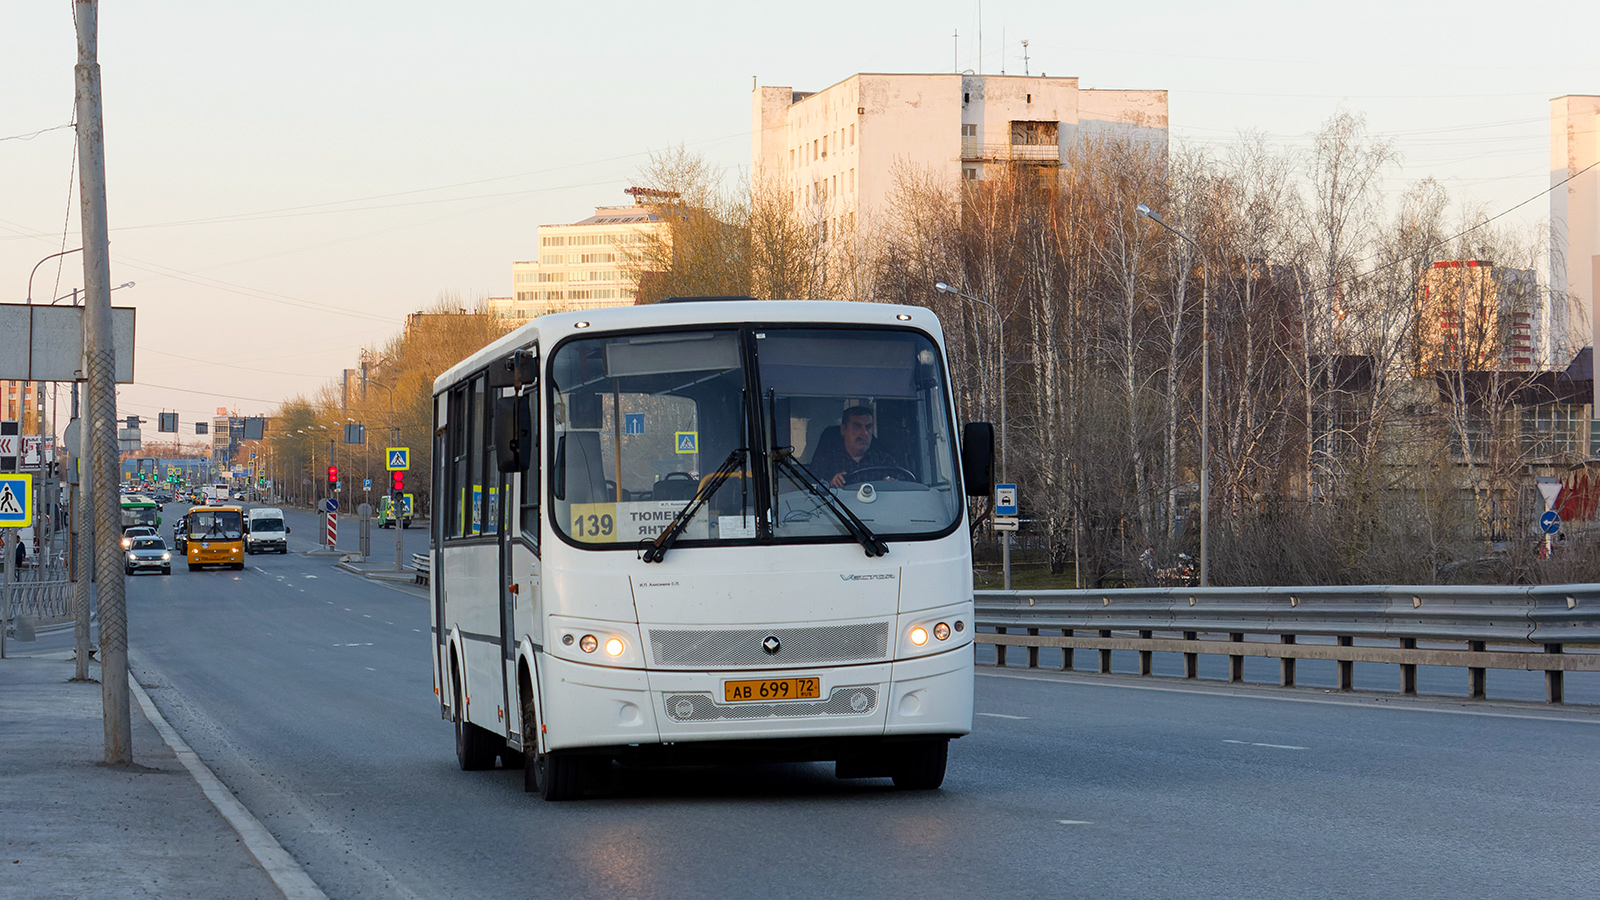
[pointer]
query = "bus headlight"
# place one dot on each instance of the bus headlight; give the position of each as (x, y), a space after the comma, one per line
(919, 636)
(941, 631)
(587, 643)
(614, 647)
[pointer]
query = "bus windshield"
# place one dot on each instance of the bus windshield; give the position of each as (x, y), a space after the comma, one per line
(787, 431)
(216, 524)
(139, 513)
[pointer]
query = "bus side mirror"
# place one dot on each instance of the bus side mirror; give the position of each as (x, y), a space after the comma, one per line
(977, 458)
(513, 433)
(520, 368)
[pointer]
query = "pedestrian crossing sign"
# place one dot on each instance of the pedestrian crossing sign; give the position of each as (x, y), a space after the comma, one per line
(399, 458)
(14, 500)
(688, 441)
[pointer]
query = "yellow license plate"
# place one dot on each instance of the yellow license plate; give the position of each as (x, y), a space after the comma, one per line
(771, 689)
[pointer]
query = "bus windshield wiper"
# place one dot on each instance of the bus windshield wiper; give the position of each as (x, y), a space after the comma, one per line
(871, 543)
(663, 542)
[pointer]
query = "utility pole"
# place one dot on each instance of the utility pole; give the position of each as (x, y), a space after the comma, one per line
(100, 352)
(82, 536)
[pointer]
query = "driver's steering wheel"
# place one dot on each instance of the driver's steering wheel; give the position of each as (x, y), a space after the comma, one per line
(861, 474)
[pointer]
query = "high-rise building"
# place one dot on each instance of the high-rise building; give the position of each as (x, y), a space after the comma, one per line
(837, 152)
(1476, 315)
(1575, 218)
(588, 264)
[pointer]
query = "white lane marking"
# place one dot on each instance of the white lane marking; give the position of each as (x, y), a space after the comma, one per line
(1268, 746)
(278, 864)
(417, 630)
(369, 644)
(365, 616)
(1004, 716)
(308, 576)
(371, 669)
(1072, 822)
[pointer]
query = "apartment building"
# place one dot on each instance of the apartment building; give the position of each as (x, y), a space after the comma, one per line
(18, 400)
(1475, 315)
(1575, 217)
(587, 264)
(837, 152)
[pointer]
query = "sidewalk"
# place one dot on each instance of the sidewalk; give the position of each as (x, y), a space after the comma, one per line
(72, 827)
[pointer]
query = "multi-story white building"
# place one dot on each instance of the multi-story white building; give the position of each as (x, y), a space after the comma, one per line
(1574, 218)
(837, 152)
(587, 264)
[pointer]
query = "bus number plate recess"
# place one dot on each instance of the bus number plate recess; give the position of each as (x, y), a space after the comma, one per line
(771, 689)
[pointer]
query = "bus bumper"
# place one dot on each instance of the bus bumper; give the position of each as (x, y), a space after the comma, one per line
(594, 706)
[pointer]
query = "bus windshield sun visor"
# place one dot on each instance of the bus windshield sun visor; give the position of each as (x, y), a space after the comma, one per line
(656, 550)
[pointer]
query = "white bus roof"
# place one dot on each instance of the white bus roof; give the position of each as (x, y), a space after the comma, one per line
(710, 312)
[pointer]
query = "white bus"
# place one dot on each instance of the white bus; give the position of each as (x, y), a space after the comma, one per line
(705, 531)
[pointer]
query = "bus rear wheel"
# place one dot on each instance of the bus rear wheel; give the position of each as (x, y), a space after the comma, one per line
(475, 748)
(920, 766)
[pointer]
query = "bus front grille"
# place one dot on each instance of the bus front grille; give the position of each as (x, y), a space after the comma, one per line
(708, 648)
(842, 701)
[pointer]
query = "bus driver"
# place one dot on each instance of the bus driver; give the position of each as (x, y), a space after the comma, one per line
(835, 464)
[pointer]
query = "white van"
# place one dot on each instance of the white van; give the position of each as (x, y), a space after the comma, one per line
(264, 530)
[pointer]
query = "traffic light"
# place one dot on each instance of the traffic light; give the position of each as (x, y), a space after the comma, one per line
(398, 487)
(333, 476)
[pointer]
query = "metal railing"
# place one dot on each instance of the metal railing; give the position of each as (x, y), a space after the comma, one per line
(41, 603)
(423, 564)
(1528, 627)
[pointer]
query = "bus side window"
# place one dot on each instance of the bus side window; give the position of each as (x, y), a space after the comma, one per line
(528, 503)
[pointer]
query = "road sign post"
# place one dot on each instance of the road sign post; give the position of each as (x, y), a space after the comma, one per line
(398, 461)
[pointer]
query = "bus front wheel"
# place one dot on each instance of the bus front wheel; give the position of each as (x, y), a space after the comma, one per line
(553, 776)
(920, 766)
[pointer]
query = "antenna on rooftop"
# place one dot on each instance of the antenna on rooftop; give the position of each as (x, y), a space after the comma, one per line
(1024, 57)
(955, 51)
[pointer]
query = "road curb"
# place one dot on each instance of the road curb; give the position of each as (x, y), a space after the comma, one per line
(282, 868)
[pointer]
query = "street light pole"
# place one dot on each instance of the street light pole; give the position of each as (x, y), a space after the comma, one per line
(1005, 536)
(1205, 394)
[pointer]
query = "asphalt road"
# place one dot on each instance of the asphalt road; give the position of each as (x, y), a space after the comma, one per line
(308, 691)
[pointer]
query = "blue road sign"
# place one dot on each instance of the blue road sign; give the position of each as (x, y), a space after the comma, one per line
(633, 423)
(688, 441)
(1550, 522)
(399, 458)
(15, 504)
(366, 484)
(1005, 499)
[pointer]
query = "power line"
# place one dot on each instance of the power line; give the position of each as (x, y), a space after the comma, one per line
(1465, 232)
(33, 134)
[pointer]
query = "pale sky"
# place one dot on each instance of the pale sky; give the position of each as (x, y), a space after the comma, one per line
(287, 180)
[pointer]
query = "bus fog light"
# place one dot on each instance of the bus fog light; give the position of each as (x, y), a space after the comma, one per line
(941, 631)
(613, 647)
(960, 626)
(566, 639)
(919, 636)
(587, 643)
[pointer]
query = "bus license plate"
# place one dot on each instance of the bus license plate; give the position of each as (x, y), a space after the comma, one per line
(771, 689)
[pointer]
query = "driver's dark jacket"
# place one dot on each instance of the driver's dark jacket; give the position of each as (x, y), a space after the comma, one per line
(826, 465)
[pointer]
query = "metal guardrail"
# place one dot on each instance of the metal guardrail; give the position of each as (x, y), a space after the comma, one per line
(1528, 626)
(423, 564)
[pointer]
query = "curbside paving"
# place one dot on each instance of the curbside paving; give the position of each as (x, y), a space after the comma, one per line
(76, 828)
